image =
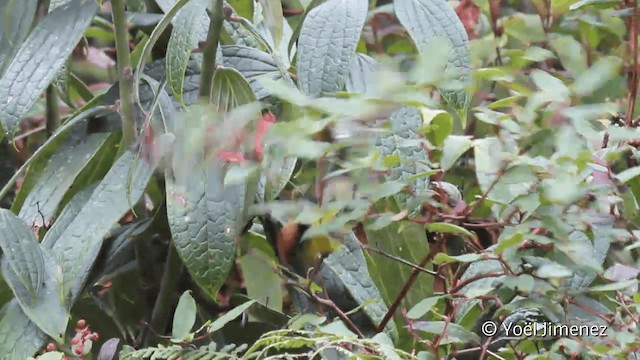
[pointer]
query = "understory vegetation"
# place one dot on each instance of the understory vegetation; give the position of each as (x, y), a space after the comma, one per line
(319, 179)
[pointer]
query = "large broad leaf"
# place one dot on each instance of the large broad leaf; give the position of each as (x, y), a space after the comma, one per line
(79, 244)
(16, 17)
(262, 281)
(23, 261)
(253, 64)
(184, 37)
(328, 40)
(426, 20)
(26, 341)
(205, 217)
(61, 171)
(206, 214)
(349, 268)
(404, 142)
(405, 241)
(41, 56)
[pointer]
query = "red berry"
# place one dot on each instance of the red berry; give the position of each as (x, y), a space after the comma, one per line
(94, 336)
(75, 340)
(78, 349)
(51, 347)
(81, 323)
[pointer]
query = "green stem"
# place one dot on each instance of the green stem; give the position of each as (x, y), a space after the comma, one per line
(166, 296)
(53, 112)
(125, 74)
(216, 17)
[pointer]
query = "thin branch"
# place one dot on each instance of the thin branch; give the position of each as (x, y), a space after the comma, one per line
(125, 74)
(53, 111)
(216, 17)
(403, 293)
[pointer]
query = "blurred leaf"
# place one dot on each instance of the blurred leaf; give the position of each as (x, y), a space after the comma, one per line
(454, 333)
(570, 52)
(109, 349)
(447, 228)
(244, 8)
(597, 76)
(453, 148)
(220, 322)
(184, 317)
(423, 307)
(438, 125)
(253, 64)
(417, 17)
(362, 72)
(262, 281)
(272, 12)
(324, 57)
(442, 258)
(551, 85)
(37, 62)
(628, 174)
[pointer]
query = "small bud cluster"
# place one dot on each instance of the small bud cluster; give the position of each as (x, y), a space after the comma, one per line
(84, 338)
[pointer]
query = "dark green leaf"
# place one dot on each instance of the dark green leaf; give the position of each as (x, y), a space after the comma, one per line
(41, 56)
(253, 64)
(423, 307)
(328, 40)
(454, 147)
(454, 333)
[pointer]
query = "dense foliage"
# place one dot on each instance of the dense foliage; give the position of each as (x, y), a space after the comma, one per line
(308, 179)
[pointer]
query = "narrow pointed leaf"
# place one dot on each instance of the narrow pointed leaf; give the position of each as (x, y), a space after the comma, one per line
(184, 37)
(16, 17)
(328, 40)
(273, 17)
(37, 62)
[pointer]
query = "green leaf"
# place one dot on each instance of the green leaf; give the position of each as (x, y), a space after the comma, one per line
(205, 215)
(362, 71)
(442, 258)
(184, 317)
(253, 64)
(454, 333)
(603, 71)
(403, 240)
(602, 4)
(324, 56)
(427, 20)
(406, 125)
(349, 267)
(230, 90)
(25, 342)
(79, 243)
(244, 8)
(423, 307)
(454, 147)
(230, 316)
(619, 285)
(41, 56)
(16, 17)
(262, 281)
(438, 124)
(628, 174)
(184, 37)
(153, 38)
(23, 261)
(551, 85)
(571, 53)
(62, 169)
(447, 228)
(273, 17)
